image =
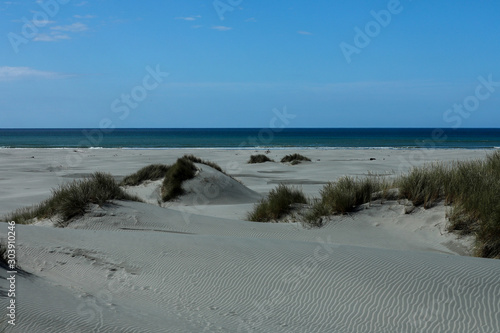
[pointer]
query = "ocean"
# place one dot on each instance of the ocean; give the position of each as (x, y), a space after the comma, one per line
(235, 138)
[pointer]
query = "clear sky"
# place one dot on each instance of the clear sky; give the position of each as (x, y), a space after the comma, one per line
(331, 63)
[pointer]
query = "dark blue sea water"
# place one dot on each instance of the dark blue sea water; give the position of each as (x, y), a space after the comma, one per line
(251, 138)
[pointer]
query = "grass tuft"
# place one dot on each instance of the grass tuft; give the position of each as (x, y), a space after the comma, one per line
(71, 200)
(259, 159)
(4, 261)
(277, 204)
(314, 216)
(424, 185)
(150, 172)
(344, 195)
(195, 159)
(294, 159)
(179, 172)
(461, 222)
(213, 165)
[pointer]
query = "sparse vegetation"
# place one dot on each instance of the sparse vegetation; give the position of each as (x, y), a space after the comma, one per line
(72, 199)
(471, 187)
(277, 204)
(260, 158)
(314, 216)
(150, 172)
(4, 262)
(195, 159)
(425, 185)
(179, 172)
(294, 159)
(211, 164)
(344, 195)
(461, 222)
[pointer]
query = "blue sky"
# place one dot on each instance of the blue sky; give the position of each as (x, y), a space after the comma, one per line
(332, 63)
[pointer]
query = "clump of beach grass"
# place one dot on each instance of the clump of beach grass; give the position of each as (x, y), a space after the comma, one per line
(4, 261)
(72, 199)
(211, 164)
(425, 185)
(461, 222)
(260, 158)
(344, 196)
(182, 170)
(276, 204)
(150, 172)
(9, 266)
(294, 159)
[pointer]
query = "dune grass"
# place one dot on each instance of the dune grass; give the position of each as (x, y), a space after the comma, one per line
(211, 164)
(277, 204)
(344, 196)
(72, 199)
(260, 158)
(461, 222)
(294, 159)
(159, 171)
(472, 188)
(182, 170)
(4, 261)
(425, 185)
(150, 172)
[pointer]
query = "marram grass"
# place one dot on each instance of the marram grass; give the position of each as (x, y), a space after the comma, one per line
(150, 172)
(471, 188)
(72, 199)
(277, 204)
(260, 158)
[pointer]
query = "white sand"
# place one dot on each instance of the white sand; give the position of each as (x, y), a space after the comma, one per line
(195, 265)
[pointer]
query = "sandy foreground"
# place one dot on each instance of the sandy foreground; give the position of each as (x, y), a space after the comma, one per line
(196, 265)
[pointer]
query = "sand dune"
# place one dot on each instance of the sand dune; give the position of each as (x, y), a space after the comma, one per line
(139, 267)
(211, 192)
(208, 187)
(211, 187)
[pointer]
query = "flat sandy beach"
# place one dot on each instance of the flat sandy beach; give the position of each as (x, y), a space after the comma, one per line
(196, 265)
